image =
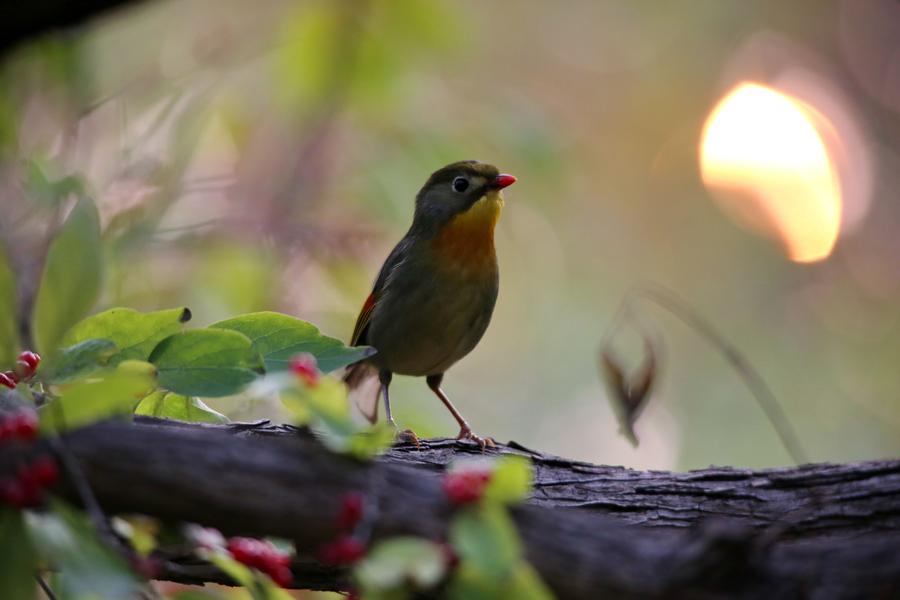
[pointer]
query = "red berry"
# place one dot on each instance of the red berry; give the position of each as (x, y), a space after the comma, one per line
(19, 493)
(147, 566)
(344, 550)
(304, 366)
(465, 487)
(281, 575)
(244, 550)
(7, 427)
(26, 365)
(263, 556)
(352, 506)
(12, 492)
(25, 425)
(30, 359)
(279, 559)
(27, 476)
(33, 494)
(8, 381)
(22, 425)
(42, 472)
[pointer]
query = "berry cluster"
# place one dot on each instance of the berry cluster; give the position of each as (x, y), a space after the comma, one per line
(466, 486)
(262, 556)
(21, 425)
(26, 488)
(345, 549)
(303, 365)
(26, 365)
(350, 512)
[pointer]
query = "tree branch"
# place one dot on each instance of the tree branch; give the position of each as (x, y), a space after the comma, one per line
(24, 20)
(823, 530)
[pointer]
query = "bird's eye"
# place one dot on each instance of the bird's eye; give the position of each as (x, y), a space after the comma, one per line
(460, 184)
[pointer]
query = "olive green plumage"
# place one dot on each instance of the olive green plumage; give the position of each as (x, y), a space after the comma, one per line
(435, 294)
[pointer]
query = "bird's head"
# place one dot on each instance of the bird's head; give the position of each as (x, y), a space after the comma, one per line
(466, 192)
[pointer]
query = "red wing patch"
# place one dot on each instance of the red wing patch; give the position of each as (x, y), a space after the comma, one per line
(362, 321)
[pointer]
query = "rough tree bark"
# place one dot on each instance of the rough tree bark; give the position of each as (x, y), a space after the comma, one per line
(823, 531)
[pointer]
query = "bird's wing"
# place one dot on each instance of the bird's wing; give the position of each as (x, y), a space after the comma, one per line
(365, 315)
(362, 322)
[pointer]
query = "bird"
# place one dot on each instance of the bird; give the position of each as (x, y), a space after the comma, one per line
(435, 293)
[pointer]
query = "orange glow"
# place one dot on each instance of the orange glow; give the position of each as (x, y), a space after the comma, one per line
(764, 155)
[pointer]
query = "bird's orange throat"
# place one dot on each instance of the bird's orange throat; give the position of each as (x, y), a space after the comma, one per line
(467, 241)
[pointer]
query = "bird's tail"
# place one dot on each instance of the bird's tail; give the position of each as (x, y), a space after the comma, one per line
(362, 381)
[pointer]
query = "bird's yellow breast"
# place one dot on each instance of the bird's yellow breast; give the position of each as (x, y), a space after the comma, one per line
(467, 240)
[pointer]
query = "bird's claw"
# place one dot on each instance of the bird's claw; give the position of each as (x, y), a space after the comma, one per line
(467, 434)
(407, 436)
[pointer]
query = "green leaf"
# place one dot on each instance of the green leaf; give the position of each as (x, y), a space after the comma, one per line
(486, 536)
(19, 562)
(167, 405)
(328, 402)
(526, 584)
(240, 574)
(399, 562)
(206, 362)
(511, 479)
(472, 583)
(115, 394)
(135, 334)
(325, 408)
(70, 282)
(278, 337)
(139, 530)
(469, 582)
(87, 568)
(9, 336)
(77, 361)
(488, 544)
(368, 442)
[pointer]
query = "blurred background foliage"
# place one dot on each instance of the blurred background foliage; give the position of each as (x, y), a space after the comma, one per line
(264, 156)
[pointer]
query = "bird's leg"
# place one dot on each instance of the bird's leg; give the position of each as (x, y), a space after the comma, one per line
(465, 432)
(407, 435)
(385, 376)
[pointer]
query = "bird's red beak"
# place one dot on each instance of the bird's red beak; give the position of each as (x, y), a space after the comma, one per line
(503, 180)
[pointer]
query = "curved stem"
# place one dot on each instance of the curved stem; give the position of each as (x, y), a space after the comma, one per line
(669, 301)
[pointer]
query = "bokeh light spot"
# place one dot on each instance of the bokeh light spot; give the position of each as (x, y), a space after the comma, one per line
(763, 155)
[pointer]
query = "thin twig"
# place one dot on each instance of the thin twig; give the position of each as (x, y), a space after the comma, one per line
(83, 488)
(48, 591)
(761, 392)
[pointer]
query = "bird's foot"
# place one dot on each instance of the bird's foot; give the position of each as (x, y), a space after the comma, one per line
(407, 436)
(465, 433)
